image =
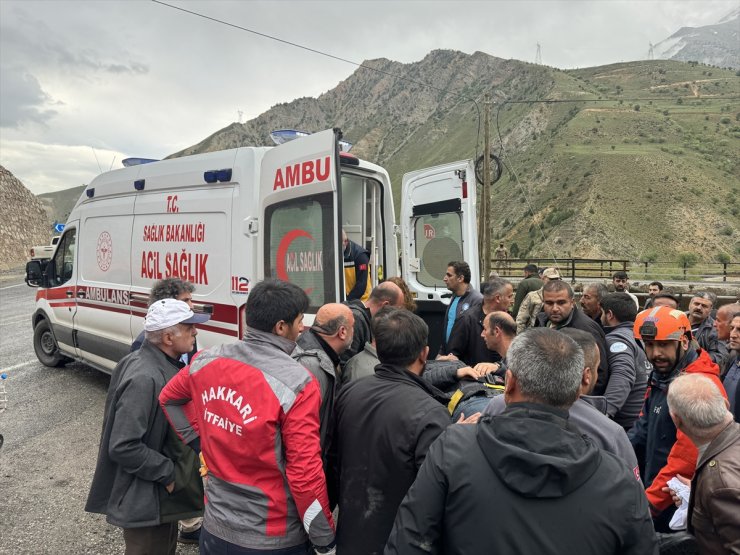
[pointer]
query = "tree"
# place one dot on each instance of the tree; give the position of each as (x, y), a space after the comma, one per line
(724, 258)
(687, 259)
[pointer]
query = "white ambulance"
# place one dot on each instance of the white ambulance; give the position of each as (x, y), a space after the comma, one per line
(227, 219)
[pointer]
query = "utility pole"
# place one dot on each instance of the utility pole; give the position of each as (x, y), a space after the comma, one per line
(651, 52)
(486, 209)
(538, 56)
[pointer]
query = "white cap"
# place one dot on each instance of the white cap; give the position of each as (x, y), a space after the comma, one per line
(170, 312)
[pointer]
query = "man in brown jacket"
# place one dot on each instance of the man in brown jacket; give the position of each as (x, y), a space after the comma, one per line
(699, 410)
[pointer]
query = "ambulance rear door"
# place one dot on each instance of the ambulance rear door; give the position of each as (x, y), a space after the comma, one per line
(299, 209)
(438, 225)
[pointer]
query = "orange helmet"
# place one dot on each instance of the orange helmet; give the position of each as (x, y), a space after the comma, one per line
(661, 323)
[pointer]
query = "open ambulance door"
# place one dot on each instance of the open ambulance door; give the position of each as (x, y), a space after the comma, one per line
(438, 226)
(299, 212)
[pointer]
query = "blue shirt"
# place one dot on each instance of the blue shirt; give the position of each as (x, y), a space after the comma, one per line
(451, 317)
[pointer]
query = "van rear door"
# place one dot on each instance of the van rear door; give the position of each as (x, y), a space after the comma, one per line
(299, 209)
(438, 225)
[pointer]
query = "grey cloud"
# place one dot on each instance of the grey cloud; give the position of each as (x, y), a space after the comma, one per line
(24, 101)
(31, 39)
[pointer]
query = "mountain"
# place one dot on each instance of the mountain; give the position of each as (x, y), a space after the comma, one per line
(717, 45)
(23, 222)
(59, 204)
(627, 160)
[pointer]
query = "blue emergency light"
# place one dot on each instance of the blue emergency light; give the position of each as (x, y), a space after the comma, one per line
(58, 228)
(128, 162)
(282, 136)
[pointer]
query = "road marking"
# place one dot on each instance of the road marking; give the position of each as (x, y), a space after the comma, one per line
(16, 366)
(11, 286)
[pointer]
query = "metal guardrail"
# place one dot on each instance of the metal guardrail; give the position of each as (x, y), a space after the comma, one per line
(576, 269)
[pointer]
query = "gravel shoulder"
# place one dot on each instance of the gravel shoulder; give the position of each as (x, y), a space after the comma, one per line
(51, 432)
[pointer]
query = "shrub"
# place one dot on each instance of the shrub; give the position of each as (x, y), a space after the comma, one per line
(724, 258)
(726, 231)
(687, 259)
(636, 107)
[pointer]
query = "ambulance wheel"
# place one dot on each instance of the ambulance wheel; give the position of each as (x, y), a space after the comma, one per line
(46, 346)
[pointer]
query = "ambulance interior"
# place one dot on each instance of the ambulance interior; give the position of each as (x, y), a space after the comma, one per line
(361, 218)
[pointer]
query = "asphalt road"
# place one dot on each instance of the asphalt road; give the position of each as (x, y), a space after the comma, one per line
(51, 429)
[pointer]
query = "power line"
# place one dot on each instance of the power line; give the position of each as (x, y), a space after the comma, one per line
(328, 55)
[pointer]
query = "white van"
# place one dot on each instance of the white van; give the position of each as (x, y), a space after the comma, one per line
(224, 220)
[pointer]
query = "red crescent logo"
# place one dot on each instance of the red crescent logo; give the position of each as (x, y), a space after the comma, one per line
(282, 251)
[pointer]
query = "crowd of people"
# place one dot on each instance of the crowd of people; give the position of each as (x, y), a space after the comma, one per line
(543, 424)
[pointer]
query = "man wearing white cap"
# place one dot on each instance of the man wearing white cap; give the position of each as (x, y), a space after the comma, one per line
(145, 479)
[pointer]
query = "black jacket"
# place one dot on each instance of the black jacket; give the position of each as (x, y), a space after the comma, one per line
(465, 340)
(580, 321)
(468, 301)
(133, 465)
(363, 332)
(384, 426)
(527, 482)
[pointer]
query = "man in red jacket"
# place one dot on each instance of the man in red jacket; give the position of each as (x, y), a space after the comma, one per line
(258, 426)
(662, 451)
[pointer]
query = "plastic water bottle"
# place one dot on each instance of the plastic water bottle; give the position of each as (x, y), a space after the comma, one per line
(3, 394)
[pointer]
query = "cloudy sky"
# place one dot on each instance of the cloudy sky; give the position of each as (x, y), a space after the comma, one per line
(84, 84)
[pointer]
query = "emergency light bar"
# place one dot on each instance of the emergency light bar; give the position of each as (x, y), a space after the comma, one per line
(128, 162)
(282, 136)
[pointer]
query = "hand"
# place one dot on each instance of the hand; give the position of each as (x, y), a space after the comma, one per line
(483, 368)
(447, 357)
(469, 420)
(170, 487)
(325, 550)
(466, 372)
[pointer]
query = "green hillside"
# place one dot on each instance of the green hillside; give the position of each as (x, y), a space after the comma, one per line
(628, 160)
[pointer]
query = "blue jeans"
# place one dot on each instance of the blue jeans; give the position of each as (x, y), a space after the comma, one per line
(213, 545)
(470, 406)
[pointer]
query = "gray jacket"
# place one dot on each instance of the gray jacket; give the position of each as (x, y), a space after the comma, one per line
(629, 369)
(131, 471)
(588, 414)
(311, 354)
(361, 365)
(707, 338)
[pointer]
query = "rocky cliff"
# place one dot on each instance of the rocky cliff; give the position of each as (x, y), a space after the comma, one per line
(23, 222)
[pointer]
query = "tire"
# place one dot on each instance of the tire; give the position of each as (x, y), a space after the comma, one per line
(45, 345)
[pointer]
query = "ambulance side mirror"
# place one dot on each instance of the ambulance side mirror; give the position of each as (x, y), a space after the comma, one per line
(34, 273)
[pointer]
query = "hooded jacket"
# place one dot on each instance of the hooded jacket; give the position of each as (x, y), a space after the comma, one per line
(525, 481)
(661, 450)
